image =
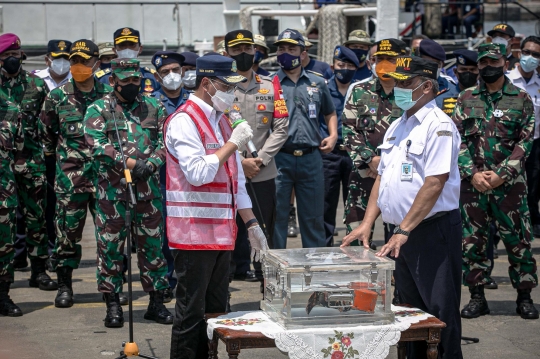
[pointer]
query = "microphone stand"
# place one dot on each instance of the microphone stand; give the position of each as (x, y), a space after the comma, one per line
(130, 348)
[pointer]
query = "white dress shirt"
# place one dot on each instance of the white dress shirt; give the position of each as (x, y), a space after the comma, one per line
(184, 143)
(46, 76)
(533, 89)
(434, 149)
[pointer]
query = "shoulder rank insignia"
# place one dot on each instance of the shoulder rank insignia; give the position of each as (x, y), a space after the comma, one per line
(315, 73)
(147, 69)
(263, 91)
(148, 86)
(258, 78)
(236, 108)
(102, 73)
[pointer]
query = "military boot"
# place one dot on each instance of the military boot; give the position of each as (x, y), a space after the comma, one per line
(156, 310)
(7, 307)
(64, 297)
(292, 229)
(115, 316)
(477, 305)
(122, 298)
(39, 277)
(525, 307)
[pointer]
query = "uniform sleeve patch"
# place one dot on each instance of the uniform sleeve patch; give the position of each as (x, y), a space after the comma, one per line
(444, 133)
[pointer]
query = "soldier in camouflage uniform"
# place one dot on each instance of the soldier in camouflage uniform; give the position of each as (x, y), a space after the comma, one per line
(28, 92)
(496, 121)
(140, 124)
(11, 142)
(63, 137)
(369, 111)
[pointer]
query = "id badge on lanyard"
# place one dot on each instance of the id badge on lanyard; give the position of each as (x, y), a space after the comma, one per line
(407, 166)
(312, 110)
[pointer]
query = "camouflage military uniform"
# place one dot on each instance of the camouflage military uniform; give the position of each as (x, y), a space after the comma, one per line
(28, 92)
(496, 133)
(368, 113)
(63, 134)
(140, 125)
(11, 142)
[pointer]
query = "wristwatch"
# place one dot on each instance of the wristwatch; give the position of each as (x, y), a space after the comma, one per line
(398, 230)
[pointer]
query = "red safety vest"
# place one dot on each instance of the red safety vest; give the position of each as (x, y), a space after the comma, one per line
(202, 217)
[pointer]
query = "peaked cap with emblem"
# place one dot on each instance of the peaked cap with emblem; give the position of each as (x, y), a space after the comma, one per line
(493, 51)
(224, 68)
(503, 29)
(408, 67)
(237, 37)
(162, 58)
(466, 57)
(83, 48)
(390, 47)
(9, 41)
(126, 34)
(291, 36)
(106, 49)
(124, 68)
(57, 48)
(260, 41)
(358, 37)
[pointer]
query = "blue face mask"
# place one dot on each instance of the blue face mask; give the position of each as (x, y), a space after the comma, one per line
(288, 61)
(361, 54)
(344, 76)
(403, 97)
(528, 63)
(258, 57)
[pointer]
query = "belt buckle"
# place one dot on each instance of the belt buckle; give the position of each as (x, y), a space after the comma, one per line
(298, 153)
(342, 148)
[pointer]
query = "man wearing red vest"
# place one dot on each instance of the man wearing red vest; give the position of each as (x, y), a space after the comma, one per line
(205, 188)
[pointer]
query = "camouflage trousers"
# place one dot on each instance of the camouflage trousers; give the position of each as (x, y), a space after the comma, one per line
(356, 202)
(32, 192)
(147, 227)
(507, 205)
(8, 231)
(71, 211)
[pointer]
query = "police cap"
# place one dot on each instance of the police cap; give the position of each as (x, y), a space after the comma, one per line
(237, 37)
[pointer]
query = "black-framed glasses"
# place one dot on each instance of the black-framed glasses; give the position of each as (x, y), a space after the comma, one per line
(534, 54)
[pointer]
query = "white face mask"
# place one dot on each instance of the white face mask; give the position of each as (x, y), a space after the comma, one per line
(439, 72)
(189, 79)
(222, 100)
(373, 71)
(60, 66)
(172, 81)
(500, 40)
(127, 54)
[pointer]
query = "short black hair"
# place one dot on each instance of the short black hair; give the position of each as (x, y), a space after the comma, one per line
(198, 81)
(532, 38)
(419, 36)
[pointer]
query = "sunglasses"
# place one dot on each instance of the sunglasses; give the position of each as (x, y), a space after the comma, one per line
(534, 54)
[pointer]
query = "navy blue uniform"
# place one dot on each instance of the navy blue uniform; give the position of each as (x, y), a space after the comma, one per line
(319, 68)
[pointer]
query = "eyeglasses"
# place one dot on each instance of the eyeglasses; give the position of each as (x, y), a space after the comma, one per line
(534, 54)
(229, 88)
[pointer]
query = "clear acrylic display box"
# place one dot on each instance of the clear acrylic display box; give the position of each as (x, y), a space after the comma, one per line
(327, 286)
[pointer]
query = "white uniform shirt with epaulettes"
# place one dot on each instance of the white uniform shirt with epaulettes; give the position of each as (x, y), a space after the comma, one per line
(415, 147)
(533, 89)
(45, 74)
(266, 112)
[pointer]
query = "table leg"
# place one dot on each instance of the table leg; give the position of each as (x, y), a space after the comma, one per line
(233, 349)
(432, 343)
(402, 350)
(432, 351)
(213, 347)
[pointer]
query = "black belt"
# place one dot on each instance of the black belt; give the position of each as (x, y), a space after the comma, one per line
(434, 217)
(299, 151)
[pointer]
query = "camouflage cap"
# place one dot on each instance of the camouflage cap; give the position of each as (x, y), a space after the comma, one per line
(220, 48)
(106, 49)
(124, 68)
(260, 40)
(358, 37)
(493, 51)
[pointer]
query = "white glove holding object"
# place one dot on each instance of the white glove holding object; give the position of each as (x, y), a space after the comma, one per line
(257, 239)
(241, 135)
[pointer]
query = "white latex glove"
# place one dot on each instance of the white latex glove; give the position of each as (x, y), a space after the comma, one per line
(257, 239)
(241, 135)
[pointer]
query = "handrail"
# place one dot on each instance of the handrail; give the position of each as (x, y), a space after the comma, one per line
(296, 12)
(522, 6)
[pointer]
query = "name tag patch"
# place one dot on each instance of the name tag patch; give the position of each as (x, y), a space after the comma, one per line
(444, 133)
(212, 146)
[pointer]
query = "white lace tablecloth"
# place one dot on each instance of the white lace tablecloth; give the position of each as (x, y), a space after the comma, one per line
(360, 342)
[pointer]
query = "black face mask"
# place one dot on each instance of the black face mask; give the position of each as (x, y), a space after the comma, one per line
(244, 61)
(344, 76)
(12, 65)
(104, 66)
(491, 74)
(467, 79)
(128, 92)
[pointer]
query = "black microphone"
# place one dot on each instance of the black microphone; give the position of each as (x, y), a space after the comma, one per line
(235, 117)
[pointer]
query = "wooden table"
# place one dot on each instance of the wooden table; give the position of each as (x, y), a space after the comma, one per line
(428, 330)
